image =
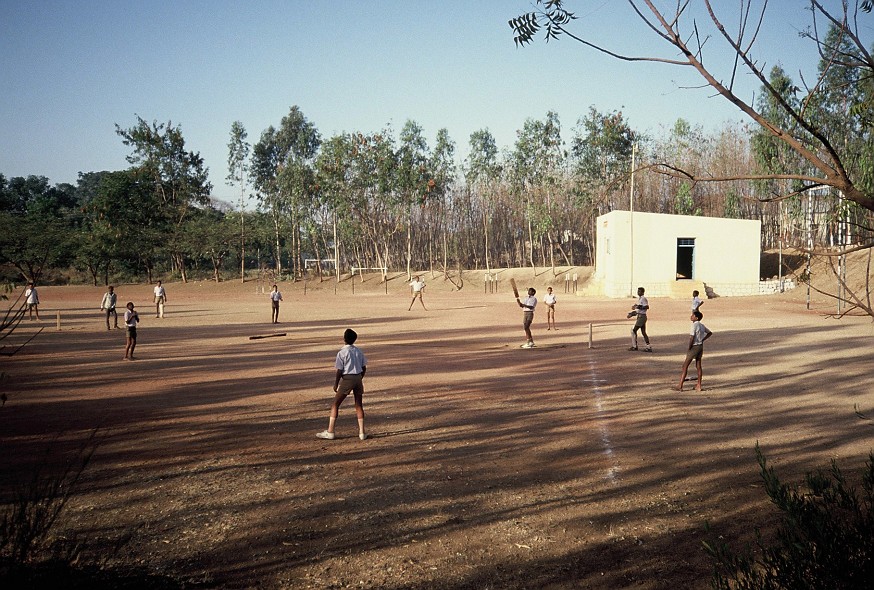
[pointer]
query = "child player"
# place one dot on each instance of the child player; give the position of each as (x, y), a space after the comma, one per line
(528, 305)
(697, 302)
(351, 366)
(550, 302)
(697, 335)
(131, 319)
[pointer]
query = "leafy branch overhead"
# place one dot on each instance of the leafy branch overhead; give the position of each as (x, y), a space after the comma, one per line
(804, 116)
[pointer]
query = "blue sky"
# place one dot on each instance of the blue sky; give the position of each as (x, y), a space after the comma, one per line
(72, 70)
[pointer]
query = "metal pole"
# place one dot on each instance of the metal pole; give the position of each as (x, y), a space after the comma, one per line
(631, 207)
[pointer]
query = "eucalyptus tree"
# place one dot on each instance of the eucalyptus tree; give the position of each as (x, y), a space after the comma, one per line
(178, 178)
(299, 142)
(238, 174)
(374, 186)
(413, 179)
(442, 166)
(267, 159)
(482, 173)
(538, 158)
(334, 175)
(282, 169)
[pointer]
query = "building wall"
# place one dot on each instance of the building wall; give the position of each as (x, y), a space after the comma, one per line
(726, 253)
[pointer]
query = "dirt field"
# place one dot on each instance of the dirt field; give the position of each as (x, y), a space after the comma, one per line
(488, 466)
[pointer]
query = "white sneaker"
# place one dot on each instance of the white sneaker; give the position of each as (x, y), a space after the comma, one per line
(325, 435)
(362, 436)
(527, 345)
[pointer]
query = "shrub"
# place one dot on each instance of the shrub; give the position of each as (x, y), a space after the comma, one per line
(825, 539)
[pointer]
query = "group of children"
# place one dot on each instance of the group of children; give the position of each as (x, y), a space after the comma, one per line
(351, 364)
(697, 335)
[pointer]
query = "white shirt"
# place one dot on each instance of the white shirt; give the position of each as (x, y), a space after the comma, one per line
(276, 296)
(417, 286)
(31, 297)
(550, 299)
(698, 332)
(531, 301)
(696, 303)
(131, 318)
(350, 360)
(159, 291)
(109, 300)
(642, 301)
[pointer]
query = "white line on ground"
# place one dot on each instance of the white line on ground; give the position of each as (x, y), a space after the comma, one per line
(613, 470)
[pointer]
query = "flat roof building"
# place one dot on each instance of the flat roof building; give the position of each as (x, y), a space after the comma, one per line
(670, 255)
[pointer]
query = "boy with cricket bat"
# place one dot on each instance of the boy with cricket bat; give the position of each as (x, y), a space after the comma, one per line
(528, 304)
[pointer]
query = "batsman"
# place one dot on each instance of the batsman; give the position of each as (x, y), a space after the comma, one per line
(528, 304)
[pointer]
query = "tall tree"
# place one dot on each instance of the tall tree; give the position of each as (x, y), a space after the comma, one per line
(179, 178)
(414, 182)
(442, 166)
(282, 166)
(238, 174)
(482, 174)
(825, 158)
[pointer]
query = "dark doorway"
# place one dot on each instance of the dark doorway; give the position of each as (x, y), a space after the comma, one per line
(685, 258)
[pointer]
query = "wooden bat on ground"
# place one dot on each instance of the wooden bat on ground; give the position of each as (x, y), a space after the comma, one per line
(515, 290)
(259, 337)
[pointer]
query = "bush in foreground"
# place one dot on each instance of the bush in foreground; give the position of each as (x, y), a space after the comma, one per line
(825, 539)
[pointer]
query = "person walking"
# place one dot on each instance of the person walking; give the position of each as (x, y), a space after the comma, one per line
(108, 305)
(351, 365)
(640, 310)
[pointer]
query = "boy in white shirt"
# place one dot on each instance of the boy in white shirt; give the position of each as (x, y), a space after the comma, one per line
(528, 305)
(418, 288)
(697, 302)
(351, 366)
(275, 298)
(640, 310)
(550, 301)
(697, 335)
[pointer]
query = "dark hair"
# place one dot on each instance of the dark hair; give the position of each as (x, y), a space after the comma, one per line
(349, 336)
(532, 290)
(698, 315)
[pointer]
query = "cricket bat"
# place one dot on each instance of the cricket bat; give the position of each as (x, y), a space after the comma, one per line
(515, 289)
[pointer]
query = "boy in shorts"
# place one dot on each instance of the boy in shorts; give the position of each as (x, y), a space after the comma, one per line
(351, 366)
(131, 319)
(528, 304)
(697, 335)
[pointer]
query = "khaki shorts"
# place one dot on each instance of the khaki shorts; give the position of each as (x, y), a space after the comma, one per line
(527, 319)
(695, 352)
(640, 322)
(351, 384)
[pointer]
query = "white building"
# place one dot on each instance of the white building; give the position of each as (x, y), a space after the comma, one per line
(670, 255)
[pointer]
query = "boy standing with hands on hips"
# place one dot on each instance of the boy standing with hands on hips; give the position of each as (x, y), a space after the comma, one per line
(697, 335)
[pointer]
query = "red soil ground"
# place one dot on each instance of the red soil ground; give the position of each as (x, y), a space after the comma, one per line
(488, 466)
